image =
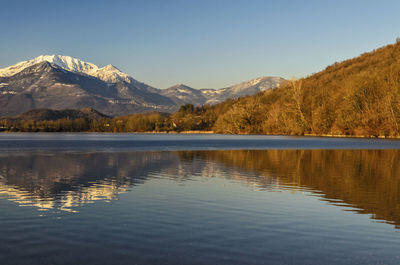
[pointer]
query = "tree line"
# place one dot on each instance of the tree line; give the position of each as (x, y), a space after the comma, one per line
(187, 118)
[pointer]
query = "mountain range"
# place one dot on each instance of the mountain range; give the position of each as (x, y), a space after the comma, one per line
(63, 82)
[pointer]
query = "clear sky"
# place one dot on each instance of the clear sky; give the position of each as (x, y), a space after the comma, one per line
(200, 43)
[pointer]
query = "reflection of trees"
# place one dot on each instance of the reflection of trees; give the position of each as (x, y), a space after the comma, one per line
(366, 179)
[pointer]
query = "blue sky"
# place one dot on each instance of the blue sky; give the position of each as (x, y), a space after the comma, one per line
(199, 43)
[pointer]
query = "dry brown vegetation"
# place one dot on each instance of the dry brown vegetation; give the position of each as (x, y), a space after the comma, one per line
(360, 96)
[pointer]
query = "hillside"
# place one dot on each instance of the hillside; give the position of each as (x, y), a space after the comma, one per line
(53, 115)
(360, 96)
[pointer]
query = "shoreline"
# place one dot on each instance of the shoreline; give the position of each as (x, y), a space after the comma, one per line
(212, 132)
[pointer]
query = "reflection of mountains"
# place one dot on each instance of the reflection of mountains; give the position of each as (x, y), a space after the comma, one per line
(64, 180)
(368, 180)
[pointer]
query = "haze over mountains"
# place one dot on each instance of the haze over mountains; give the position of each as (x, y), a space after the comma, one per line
(63, 82)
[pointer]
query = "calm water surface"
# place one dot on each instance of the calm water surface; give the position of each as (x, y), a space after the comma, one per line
(189, 199)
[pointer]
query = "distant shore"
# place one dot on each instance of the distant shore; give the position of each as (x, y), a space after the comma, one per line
(181, 132)
(213, 132)
(305, 135)
(353, 136)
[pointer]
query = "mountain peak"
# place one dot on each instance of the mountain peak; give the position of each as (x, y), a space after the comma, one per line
(180, 85)
(108, 73)
(261, 83)
(111, 74)
(111, 67)
(68, 63)
(44, 66)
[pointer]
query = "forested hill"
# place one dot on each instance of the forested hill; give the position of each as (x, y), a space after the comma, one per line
(359, 97)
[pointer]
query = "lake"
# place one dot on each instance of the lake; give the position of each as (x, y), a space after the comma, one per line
(198, 199)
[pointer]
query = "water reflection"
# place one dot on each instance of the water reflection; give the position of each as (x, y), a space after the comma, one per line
(366, 181)
(64, 181)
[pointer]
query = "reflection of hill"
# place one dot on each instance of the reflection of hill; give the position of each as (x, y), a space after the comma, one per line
(366, 179)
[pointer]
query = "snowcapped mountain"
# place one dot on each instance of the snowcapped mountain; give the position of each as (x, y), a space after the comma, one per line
(246, 88)
(183, 94)
(261, 84)
(48, 85)
(108, 73)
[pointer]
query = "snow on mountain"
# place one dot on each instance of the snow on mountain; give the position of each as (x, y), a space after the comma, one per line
(246, 88)
(108, 73)
(182, 94)
(47, 85)
(58, 81)
(66, 62)
(111, 74)
(262, 84)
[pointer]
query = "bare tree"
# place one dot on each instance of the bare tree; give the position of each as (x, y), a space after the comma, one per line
(297, 93)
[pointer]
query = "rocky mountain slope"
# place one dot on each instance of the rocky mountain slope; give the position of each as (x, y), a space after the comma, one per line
(182, 94)
(47, 85)
(108, 73)
(247, 88)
